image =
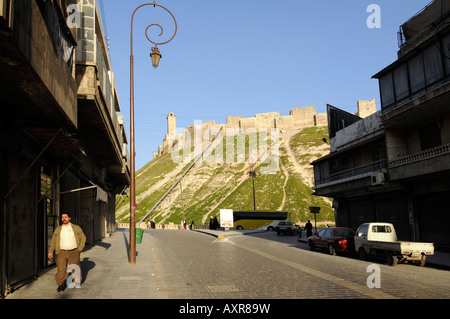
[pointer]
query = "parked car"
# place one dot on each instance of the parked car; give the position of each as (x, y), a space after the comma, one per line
(380, 240)
(334, 240)
(286, 227)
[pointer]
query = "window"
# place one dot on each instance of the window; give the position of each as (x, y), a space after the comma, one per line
(46, 207)
(401, 82)
(387, 90)
(433, 65)
(430, 136)
(446, 52)
(381, 229)
(322, 232)
(344, 232)
(328, 232)
(362, 231)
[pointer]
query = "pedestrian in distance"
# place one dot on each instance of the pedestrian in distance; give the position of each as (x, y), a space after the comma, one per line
(308, 228)
(67, 243)
(216, 224)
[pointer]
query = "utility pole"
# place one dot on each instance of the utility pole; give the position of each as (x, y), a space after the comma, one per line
(253, 175)
(315, 211)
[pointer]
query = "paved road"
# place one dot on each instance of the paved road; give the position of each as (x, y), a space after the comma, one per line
(194, 265)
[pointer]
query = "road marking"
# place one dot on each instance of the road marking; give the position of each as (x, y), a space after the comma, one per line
(362, 289)
(223, 288)
(130, 278)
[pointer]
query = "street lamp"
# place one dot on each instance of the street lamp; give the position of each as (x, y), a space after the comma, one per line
(155, 56)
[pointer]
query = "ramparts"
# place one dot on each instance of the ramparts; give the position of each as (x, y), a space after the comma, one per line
(298, 118)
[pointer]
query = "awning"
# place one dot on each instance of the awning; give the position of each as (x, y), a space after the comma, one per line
(63, 145)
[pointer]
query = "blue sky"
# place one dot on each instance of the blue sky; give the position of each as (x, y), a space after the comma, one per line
(243, 57)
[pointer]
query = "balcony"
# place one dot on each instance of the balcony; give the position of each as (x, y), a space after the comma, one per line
(355, 173)
(36, 82)
(429, 161)
(101, 127)
(351, 170)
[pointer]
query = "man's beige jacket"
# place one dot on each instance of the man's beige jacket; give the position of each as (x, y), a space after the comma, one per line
(79, 235)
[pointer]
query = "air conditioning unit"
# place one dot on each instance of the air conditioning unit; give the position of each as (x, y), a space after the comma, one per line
(377, 178)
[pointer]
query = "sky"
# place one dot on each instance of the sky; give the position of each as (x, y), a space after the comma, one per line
(244, 57)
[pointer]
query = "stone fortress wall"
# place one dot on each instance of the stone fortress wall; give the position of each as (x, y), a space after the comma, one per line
(298, 118)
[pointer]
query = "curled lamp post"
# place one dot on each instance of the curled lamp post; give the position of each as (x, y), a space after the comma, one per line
(155, 56)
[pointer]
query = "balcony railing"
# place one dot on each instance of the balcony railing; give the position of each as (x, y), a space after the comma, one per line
(354, 173)
(107, 91)
(424, 155)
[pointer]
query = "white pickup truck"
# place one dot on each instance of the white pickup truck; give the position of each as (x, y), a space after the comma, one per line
(380, 240)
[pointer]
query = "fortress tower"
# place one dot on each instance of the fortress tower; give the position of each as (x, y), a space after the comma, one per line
(171, 137)
(366, 108)
(171, 123)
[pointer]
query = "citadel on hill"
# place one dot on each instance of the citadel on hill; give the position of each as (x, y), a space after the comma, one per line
(298, 118)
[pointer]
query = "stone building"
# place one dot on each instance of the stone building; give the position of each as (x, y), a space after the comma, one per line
(297, 119)
(394, 166)
(62, 140)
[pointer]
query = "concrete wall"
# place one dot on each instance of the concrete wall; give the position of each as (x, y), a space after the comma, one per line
(364, 129)
(32, 37)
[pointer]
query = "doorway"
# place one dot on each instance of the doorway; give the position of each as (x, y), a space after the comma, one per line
(47, 215)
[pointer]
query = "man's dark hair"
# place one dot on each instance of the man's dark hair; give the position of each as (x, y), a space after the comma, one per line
(68, 214)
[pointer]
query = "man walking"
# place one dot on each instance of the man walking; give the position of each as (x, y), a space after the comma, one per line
(68, 241)
(308, 228)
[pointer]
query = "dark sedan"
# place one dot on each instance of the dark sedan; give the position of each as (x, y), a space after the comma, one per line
(334, 240)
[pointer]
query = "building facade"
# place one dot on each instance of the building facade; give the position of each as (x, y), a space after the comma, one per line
(395, 166)
(62, 140)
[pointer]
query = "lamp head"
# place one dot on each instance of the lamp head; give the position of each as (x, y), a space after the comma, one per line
(156, 56)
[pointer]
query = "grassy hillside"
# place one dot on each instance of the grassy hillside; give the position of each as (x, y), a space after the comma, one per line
(209, 187)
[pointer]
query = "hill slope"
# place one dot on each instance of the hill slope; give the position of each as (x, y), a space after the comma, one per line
(209, 187)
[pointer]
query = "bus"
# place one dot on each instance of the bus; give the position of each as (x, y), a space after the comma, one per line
(257, 220)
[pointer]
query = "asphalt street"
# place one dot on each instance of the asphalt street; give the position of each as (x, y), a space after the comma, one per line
(265, 265)
(191, 265)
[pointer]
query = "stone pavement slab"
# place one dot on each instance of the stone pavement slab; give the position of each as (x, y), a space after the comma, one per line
(107, 274)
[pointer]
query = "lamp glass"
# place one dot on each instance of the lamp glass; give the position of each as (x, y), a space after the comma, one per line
(156, 56)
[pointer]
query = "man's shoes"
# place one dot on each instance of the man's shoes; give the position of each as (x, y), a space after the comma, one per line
(61, 288)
